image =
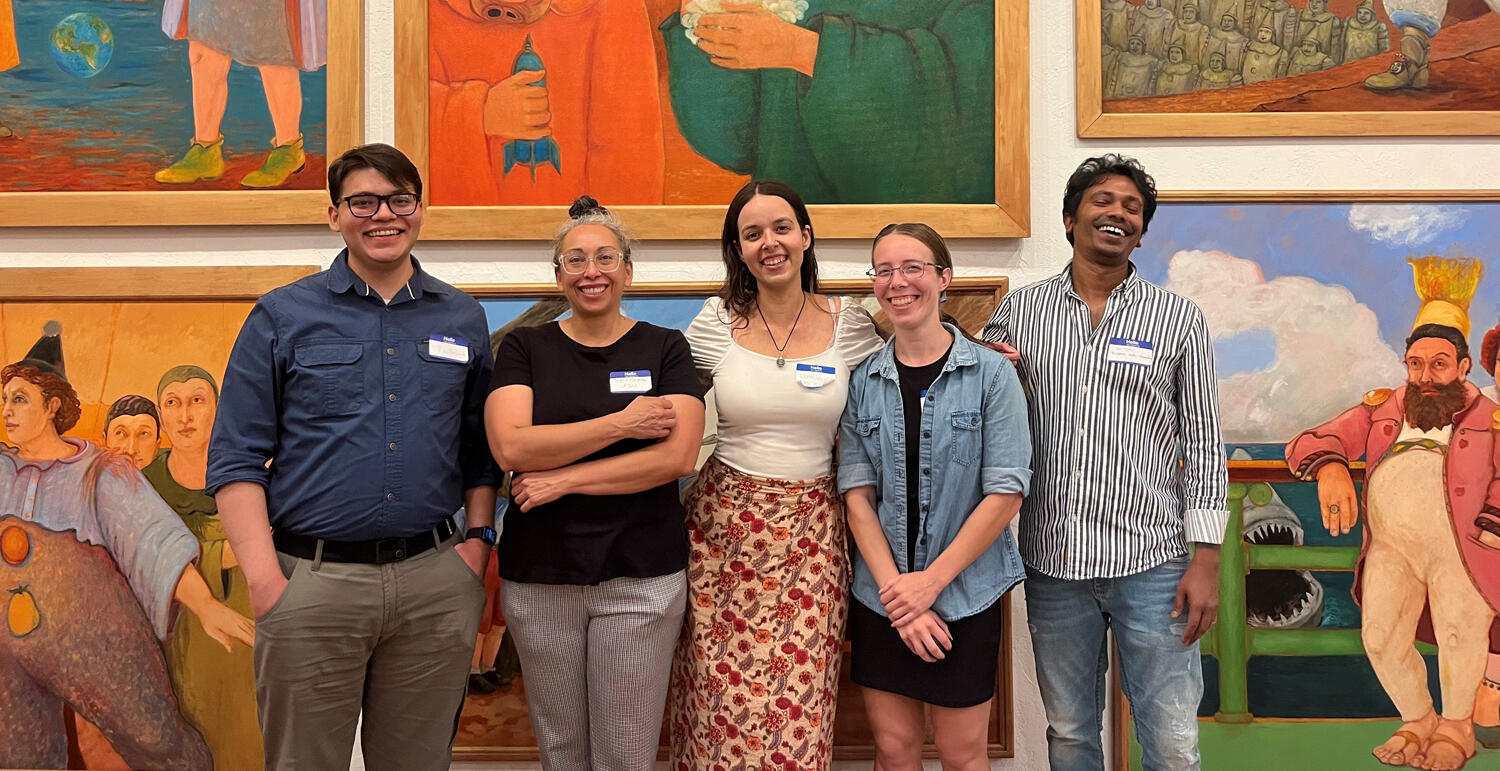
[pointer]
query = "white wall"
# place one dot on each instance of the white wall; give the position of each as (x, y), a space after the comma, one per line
(1266, 164)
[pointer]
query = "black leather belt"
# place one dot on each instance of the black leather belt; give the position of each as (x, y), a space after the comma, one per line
(378, 551)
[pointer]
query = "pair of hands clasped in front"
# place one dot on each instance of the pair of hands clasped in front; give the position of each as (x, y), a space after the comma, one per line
(646, 417)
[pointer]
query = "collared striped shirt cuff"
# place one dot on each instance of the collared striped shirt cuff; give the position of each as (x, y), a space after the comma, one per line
(1205, 525)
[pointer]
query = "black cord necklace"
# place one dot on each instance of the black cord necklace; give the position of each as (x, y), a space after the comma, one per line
(780, 359)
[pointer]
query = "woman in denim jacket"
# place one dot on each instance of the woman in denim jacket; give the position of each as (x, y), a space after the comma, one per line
(934, 458)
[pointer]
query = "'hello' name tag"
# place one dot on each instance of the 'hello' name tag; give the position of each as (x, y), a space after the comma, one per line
(448, 348)
(815, 375)
(1123, 350)
(631, 381)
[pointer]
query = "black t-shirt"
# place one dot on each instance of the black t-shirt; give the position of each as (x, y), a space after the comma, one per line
(588, 539)
(914, 383)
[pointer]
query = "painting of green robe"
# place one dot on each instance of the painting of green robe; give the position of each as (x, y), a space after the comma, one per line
(900, 105)
(215, 688)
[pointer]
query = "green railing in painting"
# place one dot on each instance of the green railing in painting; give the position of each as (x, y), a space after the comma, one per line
(1232, 640)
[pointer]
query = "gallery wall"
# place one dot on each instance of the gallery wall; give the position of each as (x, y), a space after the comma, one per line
(1193, 164)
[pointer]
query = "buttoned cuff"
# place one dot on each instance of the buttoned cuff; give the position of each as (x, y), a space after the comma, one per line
(1206, 525)
(852, 475)
(999, 480)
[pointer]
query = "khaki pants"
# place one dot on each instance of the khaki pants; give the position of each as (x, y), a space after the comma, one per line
(392, 640)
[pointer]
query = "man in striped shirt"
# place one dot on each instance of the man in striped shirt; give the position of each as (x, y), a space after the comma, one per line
(1128, 469)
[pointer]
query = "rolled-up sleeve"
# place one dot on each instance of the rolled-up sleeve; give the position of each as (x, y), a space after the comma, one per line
(245, 429)
(856, 468)
(1007, 436)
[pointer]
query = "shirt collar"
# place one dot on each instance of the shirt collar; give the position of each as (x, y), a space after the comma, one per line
(342, 278)
(1124, 291)
(962, 355)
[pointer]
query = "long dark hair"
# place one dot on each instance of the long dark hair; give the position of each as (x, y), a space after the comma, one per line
(739, 290)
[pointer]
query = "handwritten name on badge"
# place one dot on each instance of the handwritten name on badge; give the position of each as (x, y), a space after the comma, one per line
(815, 375)
(449, 348)
(631, 381)
(1123, 350)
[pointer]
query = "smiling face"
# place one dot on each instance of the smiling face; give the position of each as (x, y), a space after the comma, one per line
(593, 292)
(187, 414)
(910, 302)
(1365, 15)
(771, 243)
(1109, 221)
(27, 416)
(1226, 23)
(133, 435)
(379, 241)
(1216, 62)
(1174, 54)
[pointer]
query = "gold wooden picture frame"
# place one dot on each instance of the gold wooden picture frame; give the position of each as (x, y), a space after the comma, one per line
(1007, 216)
(345, 70)
(1240, 110)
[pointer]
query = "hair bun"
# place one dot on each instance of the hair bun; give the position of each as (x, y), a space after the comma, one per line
(585, 204)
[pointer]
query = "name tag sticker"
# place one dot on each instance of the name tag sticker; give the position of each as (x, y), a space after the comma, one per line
(449, 348)
(632, 381)
(1123, 350)
(815, 375)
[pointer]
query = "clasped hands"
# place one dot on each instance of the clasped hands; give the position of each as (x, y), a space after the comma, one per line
(908, 599)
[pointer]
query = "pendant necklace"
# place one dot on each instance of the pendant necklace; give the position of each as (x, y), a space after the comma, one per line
(780, 359)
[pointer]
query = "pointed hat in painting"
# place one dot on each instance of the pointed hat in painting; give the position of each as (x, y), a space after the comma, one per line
(47, 355)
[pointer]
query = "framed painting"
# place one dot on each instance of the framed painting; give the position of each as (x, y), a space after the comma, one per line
(182, 113)
(661, 109)
(495, 725)
(128, 339)
(1316, 310)
(1246, 68)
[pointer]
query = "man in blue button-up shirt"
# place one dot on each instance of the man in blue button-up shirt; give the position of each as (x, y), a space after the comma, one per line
(349, 432)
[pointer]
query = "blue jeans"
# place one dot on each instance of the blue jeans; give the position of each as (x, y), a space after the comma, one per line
(1162, 677)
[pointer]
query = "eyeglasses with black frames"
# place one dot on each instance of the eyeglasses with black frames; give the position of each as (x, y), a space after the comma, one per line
(366, 205)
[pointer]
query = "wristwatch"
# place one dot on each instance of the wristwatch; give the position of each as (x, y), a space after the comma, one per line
(486, 534)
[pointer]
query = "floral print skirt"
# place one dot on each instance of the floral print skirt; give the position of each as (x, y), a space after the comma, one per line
(755, 678)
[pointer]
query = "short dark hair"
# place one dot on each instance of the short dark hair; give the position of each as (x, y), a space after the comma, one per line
(1093, 171)
(390, 162)
(739, 289)
(1442, 332)
(132, 404)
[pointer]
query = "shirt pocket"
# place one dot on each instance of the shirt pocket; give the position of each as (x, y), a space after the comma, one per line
(868, 431)
(442, 380)
(338, 380)
(966, 436)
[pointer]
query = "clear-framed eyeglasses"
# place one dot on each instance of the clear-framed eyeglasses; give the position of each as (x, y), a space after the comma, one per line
(367, 204)
(910, 270)
(606, 260)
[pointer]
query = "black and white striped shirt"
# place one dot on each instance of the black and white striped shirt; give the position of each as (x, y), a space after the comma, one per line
(1128, 462)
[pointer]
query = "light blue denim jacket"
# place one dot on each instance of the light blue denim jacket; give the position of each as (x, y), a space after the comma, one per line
(975, 443)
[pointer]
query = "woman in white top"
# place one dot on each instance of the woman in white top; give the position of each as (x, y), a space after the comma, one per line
(756, 674)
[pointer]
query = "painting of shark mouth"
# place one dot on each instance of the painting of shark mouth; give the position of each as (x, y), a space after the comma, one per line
(1279, 599)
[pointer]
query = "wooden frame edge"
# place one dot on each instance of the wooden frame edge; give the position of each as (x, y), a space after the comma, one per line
(223, 283)
(1008, 216)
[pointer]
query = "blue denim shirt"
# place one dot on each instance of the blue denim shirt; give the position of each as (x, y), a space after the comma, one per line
(369, 432)
(975, 442)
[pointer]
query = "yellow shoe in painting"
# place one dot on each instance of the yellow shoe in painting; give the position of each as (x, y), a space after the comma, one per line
(199, 162)
(282, 163)
(5, 132)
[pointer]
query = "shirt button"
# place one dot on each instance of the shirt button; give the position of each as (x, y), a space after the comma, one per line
(926, 434)
(390, 496)
(390, 352)
(392, 397)
(926, 471)
(392, 445)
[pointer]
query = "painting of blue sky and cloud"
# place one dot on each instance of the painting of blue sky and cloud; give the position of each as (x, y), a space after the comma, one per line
(1310, 305)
